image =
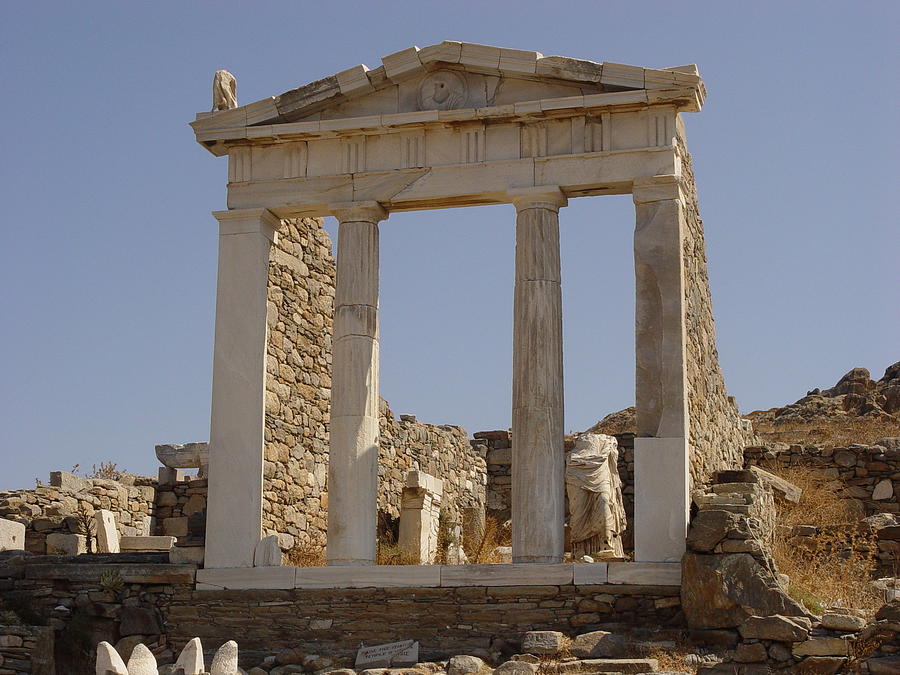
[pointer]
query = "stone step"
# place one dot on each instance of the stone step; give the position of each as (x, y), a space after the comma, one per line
(591, 666)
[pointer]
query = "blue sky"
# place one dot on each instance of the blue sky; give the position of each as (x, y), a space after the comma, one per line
(107, 263)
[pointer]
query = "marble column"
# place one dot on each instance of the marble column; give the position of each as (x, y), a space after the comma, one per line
(538, 453)
(661, 450)
(353, 453)
(234, 504)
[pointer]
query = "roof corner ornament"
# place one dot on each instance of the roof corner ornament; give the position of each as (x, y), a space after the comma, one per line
(224, 91)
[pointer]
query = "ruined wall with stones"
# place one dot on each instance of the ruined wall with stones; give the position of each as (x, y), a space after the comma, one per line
(298, 382)
(54, 509)
(180, 511)
(27, 650)
(298, 391)
(442, 451)
(870, 474)
(717, 435)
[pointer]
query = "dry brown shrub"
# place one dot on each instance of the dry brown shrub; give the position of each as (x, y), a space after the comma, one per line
(835, 566)
(842, 431)
(307, 554)
(390, 553)
(480, 543)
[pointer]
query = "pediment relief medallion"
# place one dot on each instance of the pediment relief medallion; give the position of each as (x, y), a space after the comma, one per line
(442, 90)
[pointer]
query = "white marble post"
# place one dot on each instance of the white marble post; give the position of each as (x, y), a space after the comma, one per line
(353, 453)
(538, 453)
(234, 505)
(661, 450)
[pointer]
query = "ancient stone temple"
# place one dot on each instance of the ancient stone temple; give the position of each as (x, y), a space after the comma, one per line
(450, 125)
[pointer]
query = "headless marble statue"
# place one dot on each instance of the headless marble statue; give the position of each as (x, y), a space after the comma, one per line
(596, 508)
(224, 91)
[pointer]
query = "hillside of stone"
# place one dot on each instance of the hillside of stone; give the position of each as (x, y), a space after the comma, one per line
(855, 410)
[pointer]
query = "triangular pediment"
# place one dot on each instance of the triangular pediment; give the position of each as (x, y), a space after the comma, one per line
(448, 76)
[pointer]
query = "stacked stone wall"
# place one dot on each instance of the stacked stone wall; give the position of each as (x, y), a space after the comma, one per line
(180, 511)
(298, 392)
(717, 434)
(27, 650)
(298, 382)
(57, 508)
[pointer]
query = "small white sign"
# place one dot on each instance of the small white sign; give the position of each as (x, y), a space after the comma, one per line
(385, 656)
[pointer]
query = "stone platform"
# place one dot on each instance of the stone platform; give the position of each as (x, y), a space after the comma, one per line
(440, 576)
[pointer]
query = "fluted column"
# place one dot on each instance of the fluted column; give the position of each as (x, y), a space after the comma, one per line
(234, 504)
(538, 453)
(661, 447)
(353, 453)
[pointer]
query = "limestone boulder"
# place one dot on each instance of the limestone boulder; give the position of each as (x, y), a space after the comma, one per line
(846, 622)
(885, 665)
(516, 668)
(722, 591)
(543, 642)
(467, 665)
(709, 527)
(599, 644)
(820, 665)
(821, 646)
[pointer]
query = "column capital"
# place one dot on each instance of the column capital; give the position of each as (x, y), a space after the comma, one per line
(368, 211)
(248, 221)
(538, 197)
(656, 189)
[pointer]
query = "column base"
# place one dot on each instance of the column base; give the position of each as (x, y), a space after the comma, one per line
(661, 498)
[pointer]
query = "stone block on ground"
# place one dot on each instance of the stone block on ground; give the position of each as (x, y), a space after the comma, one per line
(12, 535)
(608, 666)
(722, 591)
(467, 665)
(781, 487)
(516, 668)
(598, 644)
(775, 627)
(543, 642)
(822, 665)
(884, 665)
(59, 543)
(750, 653)
(847, 622)
(107, 535)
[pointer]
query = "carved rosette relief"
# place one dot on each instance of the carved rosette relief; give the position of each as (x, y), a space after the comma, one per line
(442, 90)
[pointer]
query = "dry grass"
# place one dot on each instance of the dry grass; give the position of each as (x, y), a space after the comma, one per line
(389, 553)
(839, 432)
(306, 555)
(674, 658)
(835, 566)
(480, 541)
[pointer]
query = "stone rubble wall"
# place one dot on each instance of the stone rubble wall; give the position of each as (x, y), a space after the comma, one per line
(180, 511)
(27, 650)
(298, 393)
(298, 382)
(55, 508)
(717, 434)
(869, 473)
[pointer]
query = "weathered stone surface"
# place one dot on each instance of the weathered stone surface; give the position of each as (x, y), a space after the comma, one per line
(516, 668)
(821, 665)
(66, 544)
(884, 489)
(783, 488)
(543, 642)
(191, 658)
(225, 661)
(846, 622)
(466, 665)
(139, 621)
(721, 591)
(608, 666)
(890, 611)
(885, 665)
(598, 644)
(780, 628)
(12, 535)
(821, 646)
(709, 527)
(267, 552)
(142, 661)
(750, 653)
(107, 535)
(108, 661)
